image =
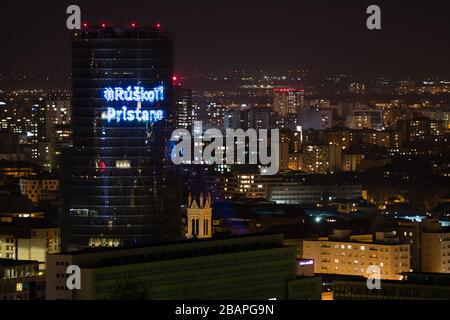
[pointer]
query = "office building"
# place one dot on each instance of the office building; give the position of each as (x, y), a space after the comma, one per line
(232, 119)
(118, 184)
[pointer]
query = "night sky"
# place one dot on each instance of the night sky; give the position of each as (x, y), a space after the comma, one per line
(330, 36)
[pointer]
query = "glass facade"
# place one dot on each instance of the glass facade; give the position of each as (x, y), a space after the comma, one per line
(118, 185)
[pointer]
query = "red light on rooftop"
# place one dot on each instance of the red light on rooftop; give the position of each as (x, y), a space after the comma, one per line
(103, 25)
(158, 25)
(133, 24)
(85, 25)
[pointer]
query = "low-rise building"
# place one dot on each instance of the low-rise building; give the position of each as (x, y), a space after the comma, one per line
(293, 193)
(435, 252)
(248, 267)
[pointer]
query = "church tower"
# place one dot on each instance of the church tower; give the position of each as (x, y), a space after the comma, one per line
(199, 218)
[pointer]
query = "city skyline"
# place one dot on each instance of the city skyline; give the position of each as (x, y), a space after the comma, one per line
(134, 153)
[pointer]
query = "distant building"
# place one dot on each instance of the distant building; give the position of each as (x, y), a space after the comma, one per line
(7, 247)
(39, 189)
(20, 242)
(232, 119)
(378, 138)
(118, 185)
(315, 118)
(429, 242)
(365, 119)
(357, 88)
(247, 118)
(422, 129)
(243, 184)
(15, 207)
(241, 268)
(10, 148)
(21, 280)
(435, 252)
(321, 159)
(62, 141)
(215, 115)
(293, 138)
(288, 101)
(295, 162)
(19, 169)
(305, 267)
(352, 162)
(292, 193)
(255, 118)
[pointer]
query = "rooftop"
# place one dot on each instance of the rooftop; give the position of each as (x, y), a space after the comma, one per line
(104, 257)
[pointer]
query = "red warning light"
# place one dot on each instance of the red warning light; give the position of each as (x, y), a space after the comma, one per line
(133, 24)
(177, 81)
(103, 25)
(85, 25)
(158, 25)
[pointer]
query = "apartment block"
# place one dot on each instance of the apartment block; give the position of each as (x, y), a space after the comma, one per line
(342, 256)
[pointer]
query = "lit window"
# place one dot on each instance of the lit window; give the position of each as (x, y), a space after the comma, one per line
(123, 164)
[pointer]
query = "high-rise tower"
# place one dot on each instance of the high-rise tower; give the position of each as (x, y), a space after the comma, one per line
(119, 186)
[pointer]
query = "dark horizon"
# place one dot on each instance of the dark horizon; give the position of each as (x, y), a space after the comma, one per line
(250, 35)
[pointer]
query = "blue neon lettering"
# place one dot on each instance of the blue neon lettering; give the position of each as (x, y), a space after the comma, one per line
(130, 115)
(137, 94)
(118, 114)
(126, 115)
(138, 115)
